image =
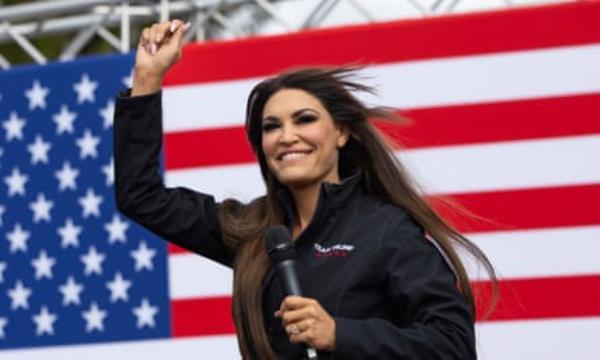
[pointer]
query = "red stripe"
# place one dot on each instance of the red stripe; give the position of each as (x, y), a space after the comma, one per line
(545, 298)
(519, 209)
(223, 146)
(206, 316)
(532, 208)
(522, 299)
(174, 249)
(498, 121)
(443, 36)
(448, 125)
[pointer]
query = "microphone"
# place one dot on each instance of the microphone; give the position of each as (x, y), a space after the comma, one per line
(283, 256)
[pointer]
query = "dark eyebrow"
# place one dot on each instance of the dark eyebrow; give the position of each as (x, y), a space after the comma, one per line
(299, 112)
(294, 115)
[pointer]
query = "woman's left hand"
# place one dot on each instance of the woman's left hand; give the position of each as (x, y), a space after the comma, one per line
(306, 322)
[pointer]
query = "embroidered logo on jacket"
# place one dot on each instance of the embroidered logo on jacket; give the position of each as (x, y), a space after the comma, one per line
(339, 250)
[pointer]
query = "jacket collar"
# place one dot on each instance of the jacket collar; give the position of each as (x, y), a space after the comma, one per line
(331, 197)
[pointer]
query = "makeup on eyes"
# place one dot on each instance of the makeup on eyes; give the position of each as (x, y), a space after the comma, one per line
(301, 116)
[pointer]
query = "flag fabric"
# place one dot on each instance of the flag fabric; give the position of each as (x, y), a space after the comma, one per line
(72, 270)
(505, 119)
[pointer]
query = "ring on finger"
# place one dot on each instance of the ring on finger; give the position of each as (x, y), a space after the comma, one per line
(294, 330)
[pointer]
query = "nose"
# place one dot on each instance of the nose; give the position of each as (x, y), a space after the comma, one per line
(288, 134)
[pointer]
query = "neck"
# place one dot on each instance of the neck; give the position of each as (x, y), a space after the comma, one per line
(306, 199)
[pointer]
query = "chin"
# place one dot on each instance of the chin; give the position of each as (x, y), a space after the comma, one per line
(296, 179)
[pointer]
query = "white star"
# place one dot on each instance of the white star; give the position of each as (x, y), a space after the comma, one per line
(90, 203)
(118, 288)
(128, 80)
(18, 238)
(44, 322)
(37, 95)
(39, 150)
(2, 210)
(41, 208)
(3, 323)
(16, 182)
(43, 265)
(66, 177)
(116, 230)
(145, 314)
(87, 145)
(2, 268)
(64, 120)
(85, 89)
(93, 261)
(14, 127)
(70, 291)
(69, 234)
(109, 172)
(143, 257)
(19, 295)
(107, 114)
(94, 318)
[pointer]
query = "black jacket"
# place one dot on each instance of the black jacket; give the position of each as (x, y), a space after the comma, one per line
(390, 291)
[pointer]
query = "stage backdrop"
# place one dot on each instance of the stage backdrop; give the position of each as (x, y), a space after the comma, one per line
(505, 111)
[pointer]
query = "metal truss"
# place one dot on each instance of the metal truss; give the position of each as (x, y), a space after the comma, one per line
(112, 20)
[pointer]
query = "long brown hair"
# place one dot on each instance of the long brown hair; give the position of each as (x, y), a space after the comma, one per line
(383, 176)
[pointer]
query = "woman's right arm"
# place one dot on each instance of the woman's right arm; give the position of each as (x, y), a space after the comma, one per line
(182, 216)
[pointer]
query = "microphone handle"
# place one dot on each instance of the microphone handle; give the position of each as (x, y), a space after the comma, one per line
(287, 271)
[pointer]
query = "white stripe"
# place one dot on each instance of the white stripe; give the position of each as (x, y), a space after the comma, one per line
(193, 276)
(242, 182)
(208, 347)
(493, 77)
(557, 339)
(538, 253)
(209, 105)
(449, 169)
(424, 83)
(514, 254)
(506, 165)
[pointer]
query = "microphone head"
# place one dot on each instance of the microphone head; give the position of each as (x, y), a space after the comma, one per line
(279, 244)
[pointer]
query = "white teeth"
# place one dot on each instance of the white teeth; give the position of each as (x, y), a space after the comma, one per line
(293, 155)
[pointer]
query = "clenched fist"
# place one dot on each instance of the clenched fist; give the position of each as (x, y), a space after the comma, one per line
(158, 49)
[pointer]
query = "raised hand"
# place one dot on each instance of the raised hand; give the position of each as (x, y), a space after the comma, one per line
(158, 49)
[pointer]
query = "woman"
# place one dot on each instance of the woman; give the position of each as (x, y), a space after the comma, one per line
(375, 286)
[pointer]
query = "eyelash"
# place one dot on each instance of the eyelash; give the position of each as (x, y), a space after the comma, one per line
(269, 127)
(304, 119)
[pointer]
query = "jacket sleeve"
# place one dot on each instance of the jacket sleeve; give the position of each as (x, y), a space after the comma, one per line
(435, 320)
(179, 215)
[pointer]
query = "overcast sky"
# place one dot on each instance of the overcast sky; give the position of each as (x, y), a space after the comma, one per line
(295, 12)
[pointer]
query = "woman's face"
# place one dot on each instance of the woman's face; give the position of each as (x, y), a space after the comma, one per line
(300, 140)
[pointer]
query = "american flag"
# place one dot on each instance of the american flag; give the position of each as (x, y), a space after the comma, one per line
(505, 110)
(72, 270)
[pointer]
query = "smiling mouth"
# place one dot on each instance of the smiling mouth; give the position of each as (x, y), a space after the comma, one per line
(293, 155)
